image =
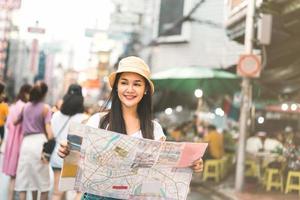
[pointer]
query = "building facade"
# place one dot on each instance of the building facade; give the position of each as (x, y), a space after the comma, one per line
(200, 40)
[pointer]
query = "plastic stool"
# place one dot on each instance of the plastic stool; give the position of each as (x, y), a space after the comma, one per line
(252, 169)
(273, 178)
(212, 170)
(290, 185)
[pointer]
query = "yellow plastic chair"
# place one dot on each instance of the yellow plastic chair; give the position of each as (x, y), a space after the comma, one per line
(212, 169)
(273, 178)
(252, 169)
(293, 181)
(223, 166)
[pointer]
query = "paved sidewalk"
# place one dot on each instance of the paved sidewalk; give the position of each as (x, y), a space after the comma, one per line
(252, 190)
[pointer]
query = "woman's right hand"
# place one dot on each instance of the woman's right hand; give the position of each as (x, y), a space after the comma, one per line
(63, 149)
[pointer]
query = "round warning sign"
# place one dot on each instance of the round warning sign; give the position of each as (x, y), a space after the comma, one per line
(249, 66)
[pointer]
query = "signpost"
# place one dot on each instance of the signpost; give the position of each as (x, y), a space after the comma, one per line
(249, 65)
(246, 97)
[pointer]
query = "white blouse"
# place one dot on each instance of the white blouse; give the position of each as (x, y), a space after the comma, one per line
(158, 131)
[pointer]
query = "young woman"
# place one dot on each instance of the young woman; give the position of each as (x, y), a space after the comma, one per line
(131, 109)
(14, 139)
(71, 111)
(33, 170)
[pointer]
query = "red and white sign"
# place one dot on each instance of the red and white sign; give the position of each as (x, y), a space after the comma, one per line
(249, 66)
(36, 30)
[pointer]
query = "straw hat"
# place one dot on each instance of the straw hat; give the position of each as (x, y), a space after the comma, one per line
(132, 64)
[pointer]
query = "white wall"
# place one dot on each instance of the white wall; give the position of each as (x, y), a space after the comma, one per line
(208, 46)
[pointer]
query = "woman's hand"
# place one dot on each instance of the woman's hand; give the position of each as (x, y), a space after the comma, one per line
(198, 165)
(45, 158)
(63, 149)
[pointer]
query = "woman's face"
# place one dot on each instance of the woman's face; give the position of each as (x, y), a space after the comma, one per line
(27, 96)
(131, 89)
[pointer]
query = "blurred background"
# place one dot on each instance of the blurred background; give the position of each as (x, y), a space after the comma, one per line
(196, 52)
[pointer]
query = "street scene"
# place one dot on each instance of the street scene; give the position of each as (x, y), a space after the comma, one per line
(150, 99)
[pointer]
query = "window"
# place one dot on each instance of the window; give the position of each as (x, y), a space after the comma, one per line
(170, 12)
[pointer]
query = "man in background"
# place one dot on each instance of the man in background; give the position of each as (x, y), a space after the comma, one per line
(215, 142)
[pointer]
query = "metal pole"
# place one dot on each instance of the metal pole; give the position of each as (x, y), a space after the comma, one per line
(246, 99)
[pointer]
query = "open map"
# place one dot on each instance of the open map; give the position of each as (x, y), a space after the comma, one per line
(119, 166)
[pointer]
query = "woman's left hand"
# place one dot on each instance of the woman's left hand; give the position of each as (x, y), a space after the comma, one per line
(197, 165)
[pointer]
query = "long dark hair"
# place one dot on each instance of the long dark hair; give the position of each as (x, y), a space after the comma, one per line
(73, 101)
(114, 118)
(25, 89)
(38, 92)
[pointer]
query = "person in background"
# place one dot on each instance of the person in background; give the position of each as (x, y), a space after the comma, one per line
(176, 134)
(215, 142)
(289, 135)
(273, 143)
(14, 138)
(131, 109)
(255, 144)
(33, 169)
(3, 112)
(229, 142)
(292, 154)
(198, 127)
(57, 106)
(71, 111)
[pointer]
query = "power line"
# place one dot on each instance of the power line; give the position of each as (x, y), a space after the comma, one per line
(178, 22)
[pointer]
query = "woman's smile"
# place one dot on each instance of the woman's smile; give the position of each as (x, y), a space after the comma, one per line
(130, 97)
(131, 88)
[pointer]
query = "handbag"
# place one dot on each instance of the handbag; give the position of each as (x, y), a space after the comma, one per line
(48, 147)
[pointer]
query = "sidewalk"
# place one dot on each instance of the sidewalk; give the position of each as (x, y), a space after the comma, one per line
(252, 190)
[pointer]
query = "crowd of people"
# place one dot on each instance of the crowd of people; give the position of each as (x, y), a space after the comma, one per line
(31, 122)
(279, 149)
(283, 146)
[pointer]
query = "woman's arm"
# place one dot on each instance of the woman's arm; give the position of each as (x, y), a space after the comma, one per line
(47, 120)
(19, 118)
(49, 131)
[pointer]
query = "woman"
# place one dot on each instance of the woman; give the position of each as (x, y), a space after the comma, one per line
(14, 139)
(131, 110)
(71, 111)
(33, 169)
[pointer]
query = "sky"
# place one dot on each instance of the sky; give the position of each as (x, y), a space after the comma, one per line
(65, 20)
